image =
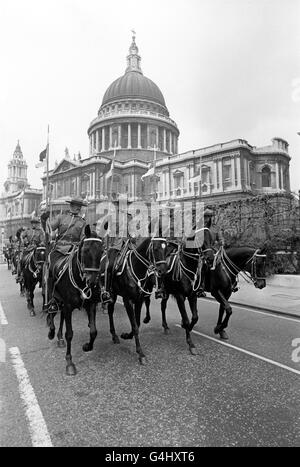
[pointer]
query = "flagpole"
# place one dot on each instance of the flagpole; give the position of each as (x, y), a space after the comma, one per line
(47, 171)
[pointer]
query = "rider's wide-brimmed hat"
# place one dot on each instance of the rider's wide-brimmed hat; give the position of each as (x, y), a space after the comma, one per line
(208, 212)
(77, 201)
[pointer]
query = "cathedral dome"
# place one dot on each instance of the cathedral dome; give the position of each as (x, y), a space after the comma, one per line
(133, 84)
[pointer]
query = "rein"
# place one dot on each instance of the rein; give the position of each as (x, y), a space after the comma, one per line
(234, 270)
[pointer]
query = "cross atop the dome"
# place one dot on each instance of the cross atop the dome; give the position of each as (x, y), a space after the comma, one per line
(133, 34)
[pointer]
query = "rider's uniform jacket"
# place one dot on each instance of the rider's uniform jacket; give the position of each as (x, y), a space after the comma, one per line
(70, 230)
(33, 237)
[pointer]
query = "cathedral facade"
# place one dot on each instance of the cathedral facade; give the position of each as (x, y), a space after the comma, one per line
(133, 132)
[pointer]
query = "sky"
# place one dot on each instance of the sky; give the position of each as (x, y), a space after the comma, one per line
(228, 69)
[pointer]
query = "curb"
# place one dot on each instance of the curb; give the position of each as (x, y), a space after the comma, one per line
(254, 307)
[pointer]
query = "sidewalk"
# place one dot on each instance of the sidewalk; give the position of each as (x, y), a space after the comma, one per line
(281, 294)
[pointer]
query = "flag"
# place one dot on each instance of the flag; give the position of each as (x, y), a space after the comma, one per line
(109, 173)
(195, 179)
(150, 171)
(20, 195)
(42, 159)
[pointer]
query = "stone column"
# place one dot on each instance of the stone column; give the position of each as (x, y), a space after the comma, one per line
(165, 141)
(277, 175)
(103, 139)
(148, 136)
(110, 137)
(238, 170)
(281, 177)
(139, 136)
(129, 136)
(220, 175)
(170, 142)
(156, 137)
(119, 136)
(232, 173)
(93, 142)
(214, 176)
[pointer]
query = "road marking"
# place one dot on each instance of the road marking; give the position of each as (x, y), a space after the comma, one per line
(37, 425)
(3, 320)
(293, 370)
(244, 307)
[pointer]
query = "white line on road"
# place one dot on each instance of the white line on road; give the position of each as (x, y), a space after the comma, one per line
(293, 370)
(37, 425)
(244, 307)
(3, 320)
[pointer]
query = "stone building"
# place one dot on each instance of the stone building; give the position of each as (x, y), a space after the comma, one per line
(19, 202)
(134, 129)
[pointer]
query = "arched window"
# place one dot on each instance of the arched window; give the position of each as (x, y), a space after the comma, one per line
(266, 177)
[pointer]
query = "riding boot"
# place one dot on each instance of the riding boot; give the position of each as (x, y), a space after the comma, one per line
(106, 295)
(51, 305)
(201, 290)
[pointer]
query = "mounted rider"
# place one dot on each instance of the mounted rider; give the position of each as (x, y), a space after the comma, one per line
(217, 242)
(118, 243)
(30, 238)
(69, 229)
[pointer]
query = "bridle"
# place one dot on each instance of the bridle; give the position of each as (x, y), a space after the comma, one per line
(234, 270)
(150, 263)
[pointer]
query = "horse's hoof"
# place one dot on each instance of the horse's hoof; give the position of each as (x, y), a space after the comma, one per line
(166, 331)
(116, 340)
(146, 320)
(51, 334)
(71, 369)
(193, 351)
(61, 343)
(217, 330)
(126, 336)
(87, 347)
(223, 335)
(32, 313)
(142, 360)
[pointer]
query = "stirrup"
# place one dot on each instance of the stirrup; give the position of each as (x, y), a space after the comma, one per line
(201, 293)
(106, 297)
(52, 307)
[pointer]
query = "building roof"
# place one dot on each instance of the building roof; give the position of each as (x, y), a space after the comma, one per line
(133, 84)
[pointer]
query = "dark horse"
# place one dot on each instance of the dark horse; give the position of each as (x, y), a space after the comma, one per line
(131, 281)
(76, 286)
(182, 280)
(32, 267)
(222, 280)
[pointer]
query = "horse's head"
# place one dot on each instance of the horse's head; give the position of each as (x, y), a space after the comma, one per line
(156, 255)
(39, 257)
(256, 266)
(90, 252)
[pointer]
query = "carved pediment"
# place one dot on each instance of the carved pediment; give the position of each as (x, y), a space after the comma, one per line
(64, 165)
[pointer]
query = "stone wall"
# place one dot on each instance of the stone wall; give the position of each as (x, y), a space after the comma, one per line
(270, 221)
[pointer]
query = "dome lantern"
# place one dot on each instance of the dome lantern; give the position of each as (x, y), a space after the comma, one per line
(133, 59)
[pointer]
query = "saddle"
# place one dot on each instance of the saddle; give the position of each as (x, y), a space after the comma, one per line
(121, 255)
(60, 265)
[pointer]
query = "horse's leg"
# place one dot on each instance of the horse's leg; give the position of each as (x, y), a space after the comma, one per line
(70, 368)
(135, 329)
(224, 306)
(60, 340)
(147, 305)
(193, 306)
(51, 325)
(91, 311)
(185, 323)
(163, 307)
(31, 296)
(110, 310)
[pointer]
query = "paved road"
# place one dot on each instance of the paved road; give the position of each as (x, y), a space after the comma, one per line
(245, 393)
